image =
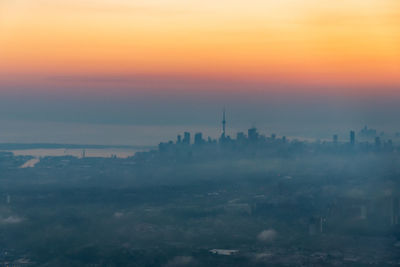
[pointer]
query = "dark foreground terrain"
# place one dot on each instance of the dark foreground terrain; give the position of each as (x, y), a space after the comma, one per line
(282, 211)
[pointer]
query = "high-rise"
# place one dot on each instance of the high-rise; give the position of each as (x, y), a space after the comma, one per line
(352, 137)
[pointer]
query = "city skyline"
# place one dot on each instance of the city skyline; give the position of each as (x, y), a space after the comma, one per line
(199, 133)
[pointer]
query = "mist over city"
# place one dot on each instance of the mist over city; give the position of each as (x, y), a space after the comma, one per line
(245, 198)
(199, 133)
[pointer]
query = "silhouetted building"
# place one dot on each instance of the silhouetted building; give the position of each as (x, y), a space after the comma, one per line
(369, 133)
(252, 134)
(240, 137)
(198, 139)
(335, 138)
(186, 138)
(179, 139)
(352, 137)
(162, 147)
(223, 124)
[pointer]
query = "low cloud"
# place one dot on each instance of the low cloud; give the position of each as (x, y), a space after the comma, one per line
(267, 235)
(118, 214)
(11, 220)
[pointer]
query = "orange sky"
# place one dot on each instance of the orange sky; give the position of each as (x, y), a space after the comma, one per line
(300, 42)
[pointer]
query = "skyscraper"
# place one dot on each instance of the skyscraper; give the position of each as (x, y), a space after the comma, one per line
(240, 137)
(335, 138)
(223, 124)
(186, 138)
(352, 137)
(252, 134)
(198, 139)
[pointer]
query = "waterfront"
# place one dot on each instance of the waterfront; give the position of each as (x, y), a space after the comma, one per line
(97, 152)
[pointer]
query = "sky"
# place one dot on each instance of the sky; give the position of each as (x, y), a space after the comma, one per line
(169, 61)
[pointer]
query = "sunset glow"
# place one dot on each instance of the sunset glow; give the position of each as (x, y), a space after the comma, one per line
(312, 42)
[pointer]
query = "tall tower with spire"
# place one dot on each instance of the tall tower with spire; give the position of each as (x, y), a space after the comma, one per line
(223, 123)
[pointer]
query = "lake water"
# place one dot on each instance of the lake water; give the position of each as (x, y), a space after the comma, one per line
(95, 134)
(104, 153)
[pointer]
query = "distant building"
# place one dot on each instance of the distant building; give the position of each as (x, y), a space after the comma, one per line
(198, 139)
(252, 134)
(162, 147)
(352, 137)
(241, 137)
(335, 139)
(368, 133)
(179, 139)
(223, 137)
(186, 138)
(223, 124)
